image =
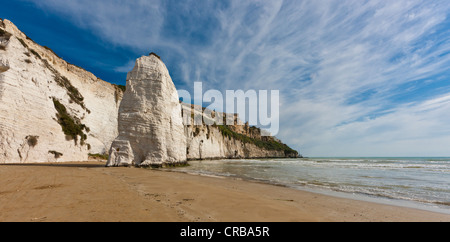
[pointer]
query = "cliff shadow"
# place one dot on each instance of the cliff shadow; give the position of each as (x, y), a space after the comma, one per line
(74, 164)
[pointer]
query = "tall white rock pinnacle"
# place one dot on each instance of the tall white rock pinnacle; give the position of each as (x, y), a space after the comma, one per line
(151, 131)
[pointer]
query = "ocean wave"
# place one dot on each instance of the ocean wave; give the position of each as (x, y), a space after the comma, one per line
(417, 180)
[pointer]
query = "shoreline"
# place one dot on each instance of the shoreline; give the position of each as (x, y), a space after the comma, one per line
(337, 194)
(409, 202)
(89, 191)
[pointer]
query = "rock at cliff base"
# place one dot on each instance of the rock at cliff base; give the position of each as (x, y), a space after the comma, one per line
(151, 131)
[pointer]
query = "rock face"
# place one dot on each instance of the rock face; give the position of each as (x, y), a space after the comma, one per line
(151, 131)
(50, 110)
(53, 111)
(238, 141)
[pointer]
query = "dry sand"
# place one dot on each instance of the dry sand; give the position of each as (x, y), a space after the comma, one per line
(88, 191)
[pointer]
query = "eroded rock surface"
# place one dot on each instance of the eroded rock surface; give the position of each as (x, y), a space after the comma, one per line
(34, 84)
(151, 131)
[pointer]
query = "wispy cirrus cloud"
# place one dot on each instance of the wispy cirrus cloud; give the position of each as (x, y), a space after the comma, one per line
(355, 77)
(128, 23)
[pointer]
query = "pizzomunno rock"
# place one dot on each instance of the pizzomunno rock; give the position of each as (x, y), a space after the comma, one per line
(151, 131)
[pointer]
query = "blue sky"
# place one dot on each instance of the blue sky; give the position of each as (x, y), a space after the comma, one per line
(356, 78)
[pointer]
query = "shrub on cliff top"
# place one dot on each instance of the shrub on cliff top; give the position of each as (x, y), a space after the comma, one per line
(157, 56)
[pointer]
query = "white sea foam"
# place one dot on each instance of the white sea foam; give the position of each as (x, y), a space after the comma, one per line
(422, 180)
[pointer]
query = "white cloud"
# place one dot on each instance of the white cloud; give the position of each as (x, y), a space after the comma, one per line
(126, 67)
(133, 24)
(413, 129)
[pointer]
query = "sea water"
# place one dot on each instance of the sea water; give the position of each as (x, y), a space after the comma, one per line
(419, 182)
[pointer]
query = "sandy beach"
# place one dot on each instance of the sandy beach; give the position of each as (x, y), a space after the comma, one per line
(88, 191)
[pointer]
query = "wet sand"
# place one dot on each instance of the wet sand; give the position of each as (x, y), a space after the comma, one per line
(88, 191)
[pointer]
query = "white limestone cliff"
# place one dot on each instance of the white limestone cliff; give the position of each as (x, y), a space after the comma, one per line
(33, 80)
(238, 141)
(151, 131)
(53, 111)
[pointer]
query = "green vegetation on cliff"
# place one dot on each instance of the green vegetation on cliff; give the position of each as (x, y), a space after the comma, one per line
(99, 156)
(62, 81)
(4, 34)
(268, 144)
(70, 126)
(121, 87)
